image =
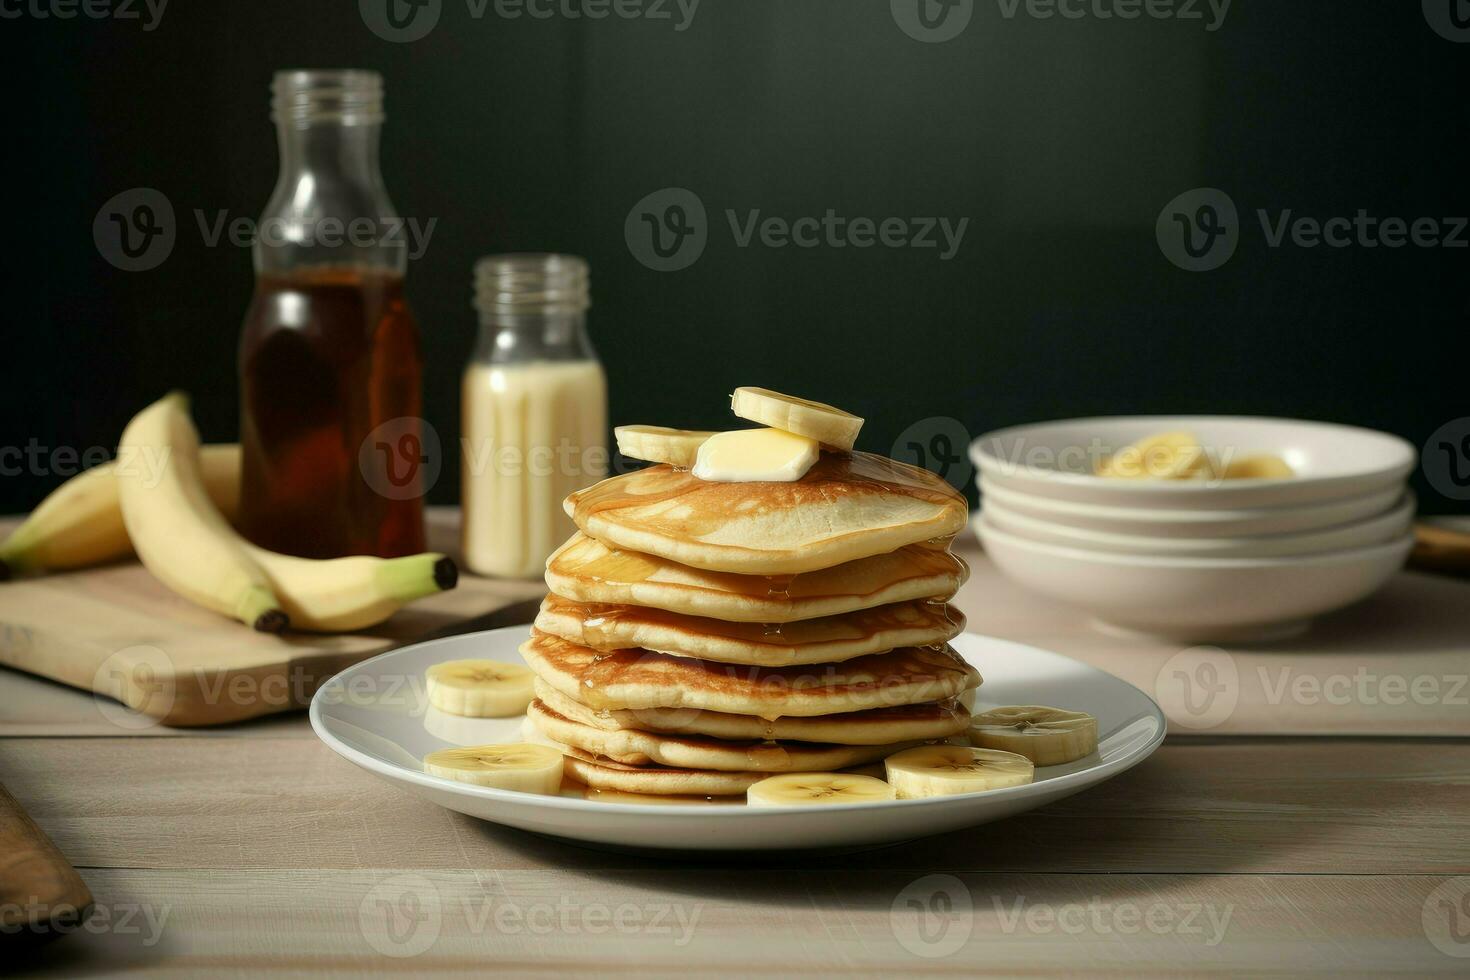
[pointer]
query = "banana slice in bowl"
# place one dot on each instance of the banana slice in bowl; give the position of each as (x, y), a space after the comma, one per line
(1046, 736)
(1166, 456)
(828, 425)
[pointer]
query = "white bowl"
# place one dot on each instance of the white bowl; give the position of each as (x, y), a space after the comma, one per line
(1386, 527)
(1056, 459)
(1196, 600)
(1194, 523)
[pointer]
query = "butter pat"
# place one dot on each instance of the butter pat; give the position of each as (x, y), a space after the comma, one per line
(755, 456)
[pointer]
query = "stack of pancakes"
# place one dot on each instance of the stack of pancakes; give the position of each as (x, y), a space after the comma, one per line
(701, 636)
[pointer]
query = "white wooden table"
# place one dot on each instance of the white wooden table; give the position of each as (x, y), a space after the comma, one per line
(254, 849)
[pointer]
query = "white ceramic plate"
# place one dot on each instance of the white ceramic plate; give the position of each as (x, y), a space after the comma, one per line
(1056, 459)
(1196, 600)
(1359, 534)
(1195, 523)
(375, 714)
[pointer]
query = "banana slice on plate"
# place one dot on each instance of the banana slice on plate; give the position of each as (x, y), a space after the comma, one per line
(480, 688)
(1265, 466)
(830, 426)
(1166, 456)
(1046, 736)
(656, 444)
(949, 770)
(816, 789)
(520, 766)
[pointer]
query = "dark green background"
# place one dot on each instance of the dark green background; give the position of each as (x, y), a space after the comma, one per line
(1059, 140)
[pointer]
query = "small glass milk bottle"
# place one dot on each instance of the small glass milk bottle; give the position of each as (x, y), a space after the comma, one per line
(533, 411)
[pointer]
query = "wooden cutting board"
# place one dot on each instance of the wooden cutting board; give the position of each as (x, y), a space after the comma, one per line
(117, 632)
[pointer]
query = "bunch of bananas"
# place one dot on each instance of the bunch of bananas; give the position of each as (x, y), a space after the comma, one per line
(171, 500)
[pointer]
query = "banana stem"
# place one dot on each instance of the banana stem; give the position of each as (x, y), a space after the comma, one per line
(413, 576)
(259, 609)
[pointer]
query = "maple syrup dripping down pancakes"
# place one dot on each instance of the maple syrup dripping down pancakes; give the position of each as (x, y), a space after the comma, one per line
(701, 635)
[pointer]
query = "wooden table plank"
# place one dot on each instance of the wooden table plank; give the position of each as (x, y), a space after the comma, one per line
(670, 922)
(1264, 806)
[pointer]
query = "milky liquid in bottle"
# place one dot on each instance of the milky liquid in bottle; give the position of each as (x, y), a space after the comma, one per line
(529, 430)
(533, 412)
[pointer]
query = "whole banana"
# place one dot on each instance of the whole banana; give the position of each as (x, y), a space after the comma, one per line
(81, 522)
(338, 595)
(178, 533)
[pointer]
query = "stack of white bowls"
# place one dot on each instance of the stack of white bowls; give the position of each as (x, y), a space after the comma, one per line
(1197, 560)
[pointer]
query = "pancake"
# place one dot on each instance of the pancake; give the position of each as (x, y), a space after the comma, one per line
(877, 726)
(586, 570)
(617, 626)
(644, 679)
(636, 748)
(847, 506)
(657, 780)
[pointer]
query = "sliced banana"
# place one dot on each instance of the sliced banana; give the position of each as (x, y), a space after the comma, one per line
(521, 767)
(1046, 736)
(656, 444)
(1166, 456)
(830, 426)
(948, 770)
(1265, 466)
(816, 789)
(480, 688)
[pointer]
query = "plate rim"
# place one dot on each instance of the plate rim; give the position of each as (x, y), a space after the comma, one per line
(1088, 777)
